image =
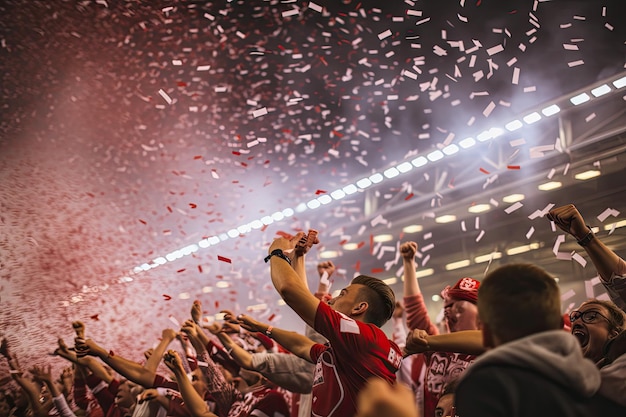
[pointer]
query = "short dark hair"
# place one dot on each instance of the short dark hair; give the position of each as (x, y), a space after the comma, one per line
(519, 300)
(380, 298)
(616, 315)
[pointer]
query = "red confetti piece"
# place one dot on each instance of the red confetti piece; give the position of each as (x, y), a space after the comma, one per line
(167, 297)
(377, 270)
(192, 205)
(217, 304)
(408, 197)
(200, 268)
(94, 317)
(90, 195)
(142, 221)
(284, 234)
(338, 134)
(513, 167)
(357, 267)
(236, 153)
(484, 171)
(318, 192)
(181, 84)
(360, 245)
(197, 157)
(271, 317)
(169, 209)
(224, 259)
(181, 270)
(343, 242)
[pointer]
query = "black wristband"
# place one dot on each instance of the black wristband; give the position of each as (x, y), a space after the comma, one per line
(280, 254)
(588, 237)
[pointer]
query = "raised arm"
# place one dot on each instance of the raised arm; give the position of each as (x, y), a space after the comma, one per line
(194, 402)
(58, 399)
(607, 262)
(288, 284)
(464, 341)
(294, 342)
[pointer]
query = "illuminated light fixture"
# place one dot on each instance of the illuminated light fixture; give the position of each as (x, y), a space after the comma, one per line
(496, 132)
(233, 233)
(446, 218)
(383, 238)
(513, 198)
(484, 136)
(450, 149)
(404, 167)
(288, 212)
(619, 83)
(414, 228)
(363, 183)
(184, 296)
(267, 220)
(257, 307)
(616, 225)
(204, 243)
(278, 216)
(301, 207)
(457, 265)
(550, 185)
(435, 156)
(532, 118)
(145, 267)
(207, 290)
(600, 91)
(580, 99)
(420, 161)
(391, 172)
(160, 260)
(222, 284)
(214, 240)
(329, 254)
(390, 281)
(313, 204)
(376, 178)
(435, 298)
(513, 125)
(243, 229)
(595, 229)
(522, 249)
(350, 189)
(587, 175)
(479, 208)
(467, 143)
(485, 258)
(551, 110)
(421, 273)
(338, 194)
(324, 199)
(125, 279)
(351, 246)
(224, 236)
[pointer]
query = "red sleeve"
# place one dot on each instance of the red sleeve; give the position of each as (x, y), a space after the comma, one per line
(105, 396)
(160, 381)
(80, 392)
(272, 404)
(417, 314)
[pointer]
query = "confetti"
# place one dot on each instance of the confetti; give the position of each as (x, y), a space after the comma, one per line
(224, 259)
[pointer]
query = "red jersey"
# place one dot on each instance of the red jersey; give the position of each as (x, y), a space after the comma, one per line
(355, 352)
(441, 369)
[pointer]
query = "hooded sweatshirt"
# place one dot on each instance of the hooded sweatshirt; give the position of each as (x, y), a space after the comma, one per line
(539, 375)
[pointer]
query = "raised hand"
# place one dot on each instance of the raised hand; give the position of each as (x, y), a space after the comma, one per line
(173, 362)
(190, 328)
(305, 242)
(416, 342)
(231, 325)
(569, 219)
(325, 267)
(251, 324)
(196, 311)
(79, 329)
(147, 395)
(408, 250)
(40, 374)
(398, 311)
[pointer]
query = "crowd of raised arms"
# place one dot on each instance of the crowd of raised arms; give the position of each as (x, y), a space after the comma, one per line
(504, 348)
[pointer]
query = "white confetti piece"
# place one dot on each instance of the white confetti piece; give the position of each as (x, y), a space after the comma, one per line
(489, 109)
(515, 79)
(606, 213)
(517, 142)
(557, 243)
(417, 13)
(530, 232)
(590, 117)
(288, 13)
(582, 261)
(480, 236)
(575, 63)
(463, 226)
(495, 49)
(165, 96)
(173, 320)
(259, 112)
(567, 295)
(427, 247)
(315, 7)
(384, 35)
(570, 47)
(513, 207)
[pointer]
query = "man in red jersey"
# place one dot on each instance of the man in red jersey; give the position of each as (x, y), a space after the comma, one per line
(357, 348)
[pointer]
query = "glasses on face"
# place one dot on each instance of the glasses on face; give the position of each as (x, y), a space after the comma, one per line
(589, 316)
